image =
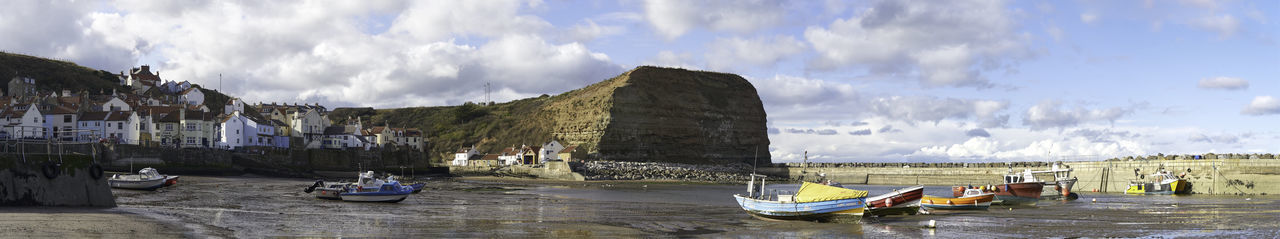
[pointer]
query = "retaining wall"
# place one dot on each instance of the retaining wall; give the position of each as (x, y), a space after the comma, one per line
(24, 183)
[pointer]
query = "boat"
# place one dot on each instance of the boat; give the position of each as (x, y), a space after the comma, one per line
(812, 202)
(1018, 189)
(146, 179)
(170, 180)
(330, 191)
(1163, 183)
(900, 201)
(1061, 185)
(971, 199)
(370, 189)
(417, 187)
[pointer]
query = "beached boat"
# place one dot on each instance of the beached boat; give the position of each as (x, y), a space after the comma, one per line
(1061, 185)
(170, 180)
(146, 179)
(813, 202)
(971, 199)
(370, 189)
(417, 187)
(1162, 182)
(900, 201)
(1018, 189)
(330, 191)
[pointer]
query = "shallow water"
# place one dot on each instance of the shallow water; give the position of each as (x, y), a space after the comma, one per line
(265, 207)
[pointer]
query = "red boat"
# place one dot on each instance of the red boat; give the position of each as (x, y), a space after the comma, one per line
(900, 201)
(1019, 189)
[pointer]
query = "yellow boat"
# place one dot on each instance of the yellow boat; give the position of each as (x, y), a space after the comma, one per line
(1163, 183)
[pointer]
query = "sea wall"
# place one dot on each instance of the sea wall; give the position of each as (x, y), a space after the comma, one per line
(264, 161)
(1219, 176)
(27, 182)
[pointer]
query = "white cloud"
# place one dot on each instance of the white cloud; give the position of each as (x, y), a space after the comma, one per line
(948, 43)
(1050, 114)
(737, 53)
(588, 30)
(1224, 83)
(62, 30)
(1225, 25)
(1055, 32)
(1089, 18)
(977, 133)
(432, 53)
(673, 18)
(1262, 105)
(931, 109)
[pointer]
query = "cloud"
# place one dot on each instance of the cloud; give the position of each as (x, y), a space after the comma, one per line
(1089, 18)
(812, 131)
(1224, 83)
(1103, 135)
(1224, 25)
(931, 109)
(947, 43)
(1262, 105)
(888, 129)
(1050, 114)
(673, 18)
(977, 133)
(774, 130)
(738, 53)
(858, 123)
(672, 59)
(1216, 139)
(860, 132)
(588, 31)
(332, 53)
(990, 149)
(64, 31)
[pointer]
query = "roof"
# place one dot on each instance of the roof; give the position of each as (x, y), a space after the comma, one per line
(199, 115)
(569, 149)
(490, 157)
(463, 150)
(62, 110)
(509, 151)
(119, 115)
(188, 90)
(172, 117)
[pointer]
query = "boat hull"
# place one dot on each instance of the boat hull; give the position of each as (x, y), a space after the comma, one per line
(363, 197)
(1018, 193)
(1179, 186)
(151, 184)
(329, 193)
(901, 201)
(962, 203)
(842, 210)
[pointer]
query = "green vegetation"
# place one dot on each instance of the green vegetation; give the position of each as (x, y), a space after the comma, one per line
(54, 75)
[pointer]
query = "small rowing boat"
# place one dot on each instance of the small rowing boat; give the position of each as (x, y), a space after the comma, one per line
(900, 201)
(813, 202)
(972, 199)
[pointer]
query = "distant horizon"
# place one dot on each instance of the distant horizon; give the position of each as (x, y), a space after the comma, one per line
(883, 81)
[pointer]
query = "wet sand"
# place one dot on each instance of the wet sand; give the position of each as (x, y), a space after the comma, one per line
(505, 207)
(58, 222)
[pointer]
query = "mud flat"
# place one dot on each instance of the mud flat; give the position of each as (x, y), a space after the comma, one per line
(487, 207)
(70, 222)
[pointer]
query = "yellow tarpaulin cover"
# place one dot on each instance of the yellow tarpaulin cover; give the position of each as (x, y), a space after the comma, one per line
(813, 192)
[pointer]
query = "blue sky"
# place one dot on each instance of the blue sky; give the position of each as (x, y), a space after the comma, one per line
(843, 80)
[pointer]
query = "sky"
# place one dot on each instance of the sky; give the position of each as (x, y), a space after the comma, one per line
(845, 81)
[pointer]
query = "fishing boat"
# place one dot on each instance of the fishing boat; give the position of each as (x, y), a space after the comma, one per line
(971, 199)
(370, 189)
(1018, 189)
(1061, 185)
(900, 201)
(813, 202)
(1163, 183)
(146, 179)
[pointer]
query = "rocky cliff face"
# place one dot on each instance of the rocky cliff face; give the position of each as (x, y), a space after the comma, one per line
(654, 114)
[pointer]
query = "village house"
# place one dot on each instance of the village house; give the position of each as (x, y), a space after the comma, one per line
(121, 127)
(61, 122)
(92, 126)
(344, 136)
(400, 137)
(463, 155)
(141, 79)
(487, 160)
(22, 122)
(114, 104)
(231, 133)
(198, 129)
(550, 151)
(22, 87)
(263, 133)
(308, 126)
(233, 105)
(192, 96)
(571, 154)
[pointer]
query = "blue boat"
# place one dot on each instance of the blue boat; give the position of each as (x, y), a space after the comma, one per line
(370, 189)
(813, 202)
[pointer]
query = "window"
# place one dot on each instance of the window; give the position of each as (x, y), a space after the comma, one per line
(119, 125)
(168, 127)
(108, 125)
(97, 123)
(66, 119)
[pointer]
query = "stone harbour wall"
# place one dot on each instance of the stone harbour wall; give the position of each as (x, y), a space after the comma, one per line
(39, 181)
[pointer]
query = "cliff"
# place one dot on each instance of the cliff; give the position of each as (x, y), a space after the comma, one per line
(648, 114)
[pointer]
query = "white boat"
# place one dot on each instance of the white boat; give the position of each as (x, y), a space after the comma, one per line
(1061, 185)
(146, 179)
(370, 189)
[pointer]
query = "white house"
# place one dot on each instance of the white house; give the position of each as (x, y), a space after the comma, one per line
(59, 120)
(308, 125)
(23, 121)
(263, 133)
(122, 127)
(192, 96)
(115, 104)
(550, 151)
(233, 105)
(232, 131)
(460, 158)
(510, 156)
(92, 126)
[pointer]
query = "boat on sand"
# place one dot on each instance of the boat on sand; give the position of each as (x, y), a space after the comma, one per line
(971, 199)
(146, 179)
(899, 201)
(812, 202)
